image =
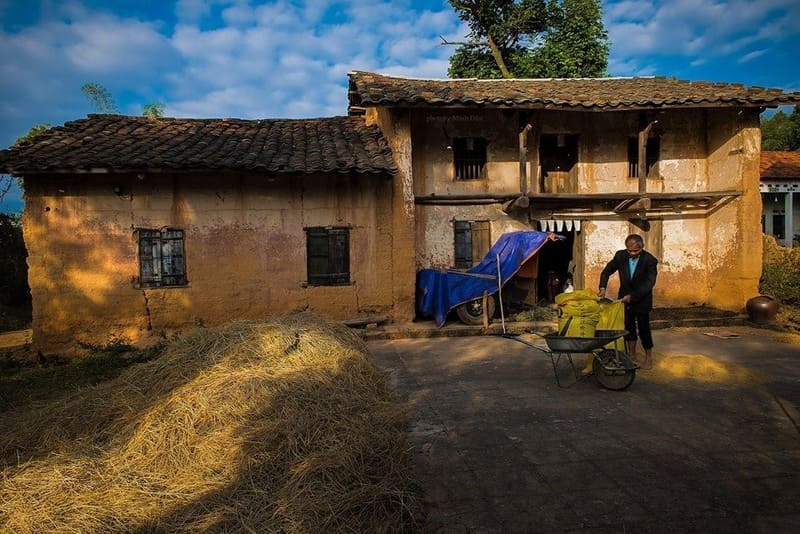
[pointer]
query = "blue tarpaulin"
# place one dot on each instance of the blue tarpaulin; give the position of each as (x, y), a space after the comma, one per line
(440, 291)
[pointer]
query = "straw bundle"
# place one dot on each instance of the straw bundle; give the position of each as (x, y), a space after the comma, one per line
(278, 426)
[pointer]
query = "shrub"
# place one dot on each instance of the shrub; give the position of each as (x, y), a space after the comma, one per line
(14, 291)
(780, 275)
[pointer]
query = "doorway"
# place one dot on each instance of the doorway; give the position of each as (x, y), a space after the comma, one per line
(556, 266)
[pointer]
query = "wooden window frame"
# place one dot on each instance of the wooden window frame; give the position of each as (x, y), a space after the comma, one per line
(327, 256)
(161, 257)
(469, 157)
(653, 156)
(471, 242)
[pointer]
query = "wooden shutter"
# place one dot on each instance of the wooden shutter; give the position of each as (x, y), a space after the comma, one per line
(463, 244)
(339, 256)
(481, 240)
(173, 269)
(149, 257)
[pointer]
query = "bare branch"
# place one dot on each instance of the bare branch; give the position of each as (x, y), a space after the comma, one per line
(463, 43)
(5, 185)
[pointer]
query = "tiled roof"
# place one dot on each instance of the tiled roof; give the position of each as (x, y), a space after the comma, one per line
(776, 164)
(121, 143)
(591, 94)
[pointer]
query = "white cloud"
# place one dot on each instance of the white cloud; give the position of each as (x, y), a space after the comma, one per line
(751, 56)
(697, 30)
(192, 9)
(103, 44)
(290, 58)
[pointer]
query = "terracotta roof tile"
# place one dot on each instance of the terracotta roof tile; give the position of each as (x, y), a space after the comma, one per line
(597, 94)
(776, 164)
(121, 143)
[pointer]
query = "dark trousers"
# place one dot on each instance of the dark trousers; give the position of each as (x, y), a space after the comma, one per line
(639, 322)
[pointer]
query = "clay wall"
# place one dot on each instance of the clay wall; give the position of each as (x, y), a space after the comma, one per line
(711, 259)
(245, 248)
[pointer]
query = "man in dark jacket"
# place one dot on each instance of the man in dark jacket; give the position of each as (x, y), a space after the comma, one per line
(637, 270)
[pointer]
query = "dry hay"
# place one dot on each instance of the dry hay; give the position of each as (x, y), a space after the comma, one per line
(279, 426)
(701, 370)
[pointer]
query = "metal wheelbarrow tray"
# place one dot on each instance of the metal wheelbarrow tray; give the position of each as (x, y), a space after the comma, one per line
(613, 368)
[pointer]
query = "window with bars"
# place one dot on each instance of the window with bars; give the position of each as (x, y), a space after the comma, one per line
(328, 253)
(653, 155)
(161, 258)
(469, 157)
(472, 242)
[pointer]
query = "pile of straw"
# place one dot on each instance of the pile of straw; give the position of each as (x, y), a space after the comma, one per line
(282, 425)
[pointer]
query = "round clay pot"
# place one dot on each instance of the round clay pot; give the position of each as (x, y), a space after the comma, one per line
(762, 309)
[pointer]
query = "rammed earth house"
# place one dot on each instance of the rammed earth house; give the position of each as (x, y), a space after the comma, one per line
(137, 226)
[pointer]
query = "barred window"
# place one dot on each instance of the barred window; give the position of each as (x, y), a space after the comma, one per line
(469, 157)
(161, 258)
(328, 253)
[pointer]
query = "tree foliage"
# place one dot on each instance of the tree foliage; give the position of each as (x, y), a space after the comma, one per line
(154, 110)
(35, 131)
(781, 131)
(14, 290)
(531, 39)
(100, 98)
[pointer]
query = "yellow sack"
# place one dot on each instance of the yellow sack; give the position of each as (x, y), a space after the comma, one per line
(578, 294)
(578, 317)
(612, 317)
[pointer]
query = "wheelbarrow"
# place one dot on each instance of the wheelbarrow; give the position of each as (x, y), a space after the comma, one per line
(613, 368)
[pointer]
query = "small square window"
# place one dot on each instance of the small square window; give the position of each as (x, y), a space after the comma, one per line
(161, 258)
(328, 255)
(469, 157)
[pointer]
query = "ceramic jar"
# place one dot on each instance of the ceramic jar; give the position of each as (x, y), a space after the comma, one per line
(761, 309)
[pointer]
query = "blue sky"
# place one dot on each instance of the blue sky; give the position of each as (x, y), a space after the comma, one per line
(290, 58)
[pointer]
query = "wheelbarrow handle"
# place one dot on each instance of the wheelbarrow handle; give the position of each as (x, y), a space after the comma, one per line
(546, 350)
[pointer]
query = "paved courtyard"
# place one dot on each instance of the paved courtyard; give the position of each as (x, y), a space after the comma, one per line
(707, 441)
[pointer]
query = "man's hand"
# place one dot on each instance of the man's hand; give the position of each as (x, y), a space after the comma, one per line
(601, 293)
(626, 299)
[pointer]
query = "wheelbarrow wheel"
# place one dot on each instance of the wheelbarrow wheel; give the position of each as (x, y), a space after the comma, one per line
(613, 369)
(472, 312)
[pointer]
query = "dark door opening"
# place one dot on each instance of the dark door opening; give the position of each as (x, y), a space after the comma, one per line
(558, 154)
(556, 266)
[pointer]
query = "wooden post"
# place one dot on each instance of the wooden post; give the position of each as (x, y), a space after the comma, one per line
(643, 135)
(523, 159)
(484, 303)
(500, 294)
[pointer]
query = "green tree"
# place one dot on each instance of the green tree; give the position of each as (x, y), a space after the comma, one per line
(530, 39)
(576, 45)
(781, 131)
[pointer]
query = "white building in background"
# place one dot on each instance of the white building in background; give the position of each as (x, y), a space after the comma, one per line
(780, 185)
